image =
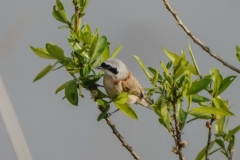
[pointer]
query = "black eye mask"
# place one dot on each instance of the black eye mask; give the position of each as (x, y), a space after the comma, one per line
(109, 67)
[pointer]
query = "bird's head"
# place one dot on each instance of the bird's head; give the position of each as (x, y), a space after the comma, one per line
(114, 68)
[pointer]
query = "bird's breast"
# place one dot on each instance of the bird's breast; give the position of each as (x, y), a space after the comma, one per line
(112, 86)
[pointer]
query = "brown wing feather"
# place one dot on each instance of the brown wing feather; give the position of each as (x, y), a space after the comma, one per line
(131, 85)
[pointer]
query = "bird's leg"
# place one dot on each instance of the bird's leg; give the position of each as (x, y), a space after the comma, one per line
(110, 114)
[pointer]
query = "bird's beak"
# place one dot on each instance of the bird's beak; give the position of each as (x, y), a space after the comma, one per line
(99, 67)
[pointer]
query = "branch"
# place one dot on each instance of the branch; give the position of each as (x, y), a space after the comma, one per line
(209, 126)
(177, 133)
(196, 40)
(76, 15)
(118, 135)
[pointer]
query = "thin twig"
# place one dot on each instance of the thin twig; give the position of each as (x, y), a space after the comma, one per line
(209, 126)
(118, 135)
(196, 40)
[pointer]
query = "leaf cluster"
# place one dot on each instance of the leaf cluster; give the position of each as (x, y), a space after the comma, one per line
(89, 50)
(181, 81)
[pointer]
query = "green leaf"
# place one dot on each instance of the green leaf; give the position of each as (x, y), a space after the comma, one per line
(86, 70)
(211, 110)
(87, 34)
(164, 68)
(143, 67)
(105, 104)
(122, 98)
(165, 114)
(117, 50)
(155, 78)
(44, 72)
(180, 81)
(184, 66)
(186, 83)
(238, 52)
(219, 103)
(63, 27)
(195, 67)
(95, 63)
(232, 132)
(200, 115)
(217, 81)
(55, 51)
(126, 109)
(202, 153)
(61, 87)
(57, 15)
(189, 101)
(197, 98)
(181, 115)
(106, 53)
(103, 114)
(41, 52)
(225, 83)
(61, 10)
(101, 94)
(59, 5)
(85, 5)
(220, 143)
(169, 64)
(198, 86)
(220, 125)
(71, 92)
(214, 151)
(154, 71)
(172, 56)
(90, 82)
(192, 69)
(100, 46)
(60, 15)
(77, 48)
(95, 35)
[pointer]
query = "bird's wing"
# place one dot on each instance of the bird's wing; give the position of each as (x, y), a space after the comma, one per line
(131, 85)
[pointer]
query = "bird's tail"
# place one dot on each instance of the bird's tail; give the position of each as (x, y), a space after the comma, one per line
(145, 103)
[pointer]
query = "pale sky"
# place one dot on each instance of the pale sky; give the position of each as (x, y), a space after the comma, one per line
(56, 130)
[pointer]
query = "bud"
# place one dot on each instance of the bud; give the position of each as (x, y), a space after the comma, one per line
(184, 144)
(208, 125)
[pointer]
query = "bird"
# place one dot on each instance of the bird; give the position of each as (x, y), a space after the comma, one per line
(117, 79)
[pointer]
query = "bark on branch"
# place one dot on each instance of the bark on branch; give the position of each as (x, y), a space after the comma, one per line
(196, 40)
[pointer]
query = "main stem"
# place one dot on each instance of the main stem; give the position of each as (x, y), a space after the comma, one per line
(76, 15)
(177, 135)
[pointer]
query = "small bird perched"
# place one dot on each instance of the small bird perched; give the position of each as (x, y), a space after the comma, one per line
(118, 78)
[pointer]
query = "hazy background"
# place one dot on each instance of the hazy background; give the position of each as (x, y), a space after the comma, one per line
(56, 130)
